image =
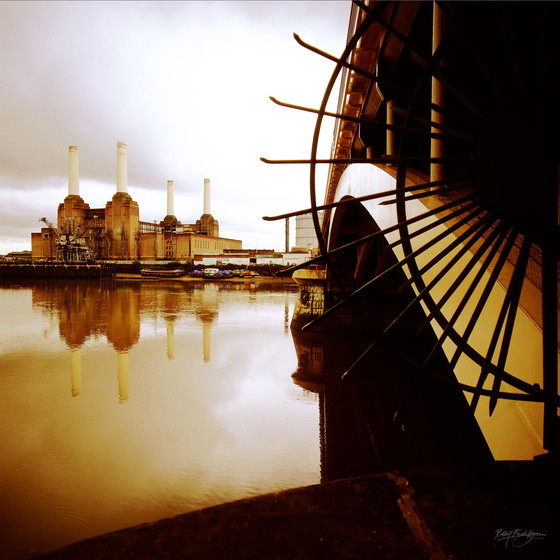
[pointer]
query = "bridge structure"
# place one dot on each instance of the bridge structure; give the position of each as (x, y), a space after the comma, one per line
(439, 232)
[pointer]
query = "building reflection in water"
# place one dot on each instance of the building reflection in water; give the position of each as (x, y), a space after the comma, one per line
(90, 310)
(171, 339)
(76, 370)
(85, 310)
(207, 313)
(208, 413)
(358, 433)
(123, 375)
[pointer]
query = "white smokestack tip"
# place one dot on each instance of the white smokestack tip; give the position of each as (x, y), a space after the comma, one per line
(73, 171)
(170, 199)
(206, 206)
(122, 173)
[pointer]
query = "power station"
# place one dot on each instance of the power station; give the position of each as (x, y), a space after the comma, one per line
(85, 234)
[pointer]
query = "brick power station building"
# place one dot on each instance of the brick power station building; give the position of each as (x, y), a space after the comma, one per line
(116, 232)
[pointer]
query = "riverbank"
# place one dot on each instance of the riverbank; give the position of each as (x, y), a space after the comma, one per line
(501, 510)
(277, 280)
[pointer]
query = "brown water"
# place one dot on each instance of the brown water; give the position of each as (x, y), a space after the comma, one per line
(126, 402)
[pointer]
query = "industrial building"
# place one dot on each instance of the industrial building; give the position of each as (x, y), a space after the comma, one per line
(85, 234)
(248, 257)
(306, 236)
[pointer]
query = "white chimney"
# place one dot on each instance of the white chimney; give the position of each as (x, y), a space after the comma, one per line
(122, 175)
(206, 207)
(170, 199)
(73, 170)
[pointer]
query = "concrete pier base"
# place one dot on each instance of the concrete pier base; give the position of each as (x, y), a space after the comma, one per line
(503, 510)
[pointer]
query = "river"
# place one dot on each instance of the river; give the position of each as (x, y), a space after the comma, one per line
(124, 402)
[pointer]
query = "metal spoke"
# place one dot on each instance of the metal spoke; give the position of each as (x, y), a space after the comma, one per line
(359, 120)
(497, 330)
(475, 233)
(474, 214)
(390, 229)
(458, 181)
(382, 82)
(514, 295)
(504, 254)
(499, 232)
(381, 160)
(528, 392)
(423, 369)
(532, 393)
(409, 258)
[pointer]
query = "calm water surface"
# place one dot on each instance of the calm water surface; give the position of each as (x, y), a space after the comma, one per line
(126, 402)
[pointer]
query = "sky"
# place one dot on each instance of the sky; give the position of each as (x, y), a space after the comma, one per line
(186, 86)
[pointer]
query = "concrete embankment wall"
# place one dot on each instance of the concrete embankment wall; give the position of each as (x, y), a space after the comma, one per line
(58, 270)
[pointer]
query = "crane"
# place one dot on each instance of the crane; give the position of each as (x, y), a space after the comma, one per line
(70, 244)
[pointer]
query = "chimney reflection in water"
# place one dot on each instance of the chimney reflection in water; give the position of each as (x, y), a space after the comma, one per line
(85, 310)
(123, 375)
(170, 339)
(76, 370)
(207, 313)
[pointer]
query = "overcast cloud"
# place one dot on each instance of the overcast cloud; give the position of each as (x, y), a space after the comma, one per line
(185, 84)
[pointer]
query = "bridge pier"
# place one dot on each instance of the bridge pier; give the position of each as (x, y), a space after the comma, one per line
(311, 284)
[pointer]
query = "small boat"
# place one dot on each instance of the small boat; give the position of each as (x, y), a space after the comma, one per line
(245, 273)
(216, 273)
(162, 272)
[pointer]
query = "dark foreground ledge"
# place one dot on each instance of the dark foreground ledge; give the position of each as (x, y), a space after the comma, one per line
(505, 510)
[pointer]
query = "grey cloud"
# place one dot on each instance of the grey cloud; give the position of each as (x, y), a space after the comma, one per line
(94, 73)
